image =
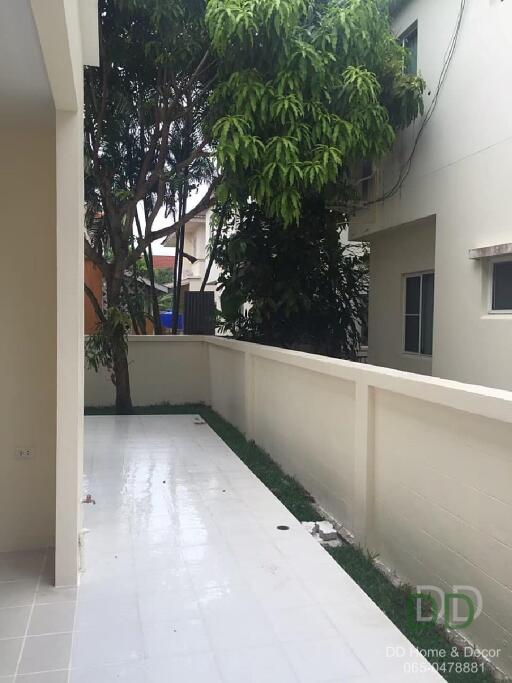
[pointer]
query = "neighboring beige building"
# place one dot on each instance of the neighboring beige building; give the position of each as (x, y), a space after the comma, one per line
(198, 233)
(43, 47)
(436, 306)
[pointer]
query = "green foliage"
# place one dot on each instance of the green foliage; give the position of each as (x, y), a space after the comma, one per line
(162, 275)
(110, 334)
(307, 88)
(305, 288)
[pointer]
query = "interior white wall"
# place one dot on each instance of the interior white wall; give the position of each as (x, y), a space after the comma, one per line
(41, 392)
(68, 38)
(460, 174)
(28, 340)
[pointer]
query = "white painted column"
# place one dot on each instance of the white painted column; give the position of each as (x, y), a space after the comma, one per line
(68, 34)
(249, 394)
(70, 363)
(364, 463)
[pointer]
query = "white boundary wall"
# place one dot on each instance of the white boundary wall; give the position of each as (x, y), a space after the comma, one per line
(419, 468)
(163, 369)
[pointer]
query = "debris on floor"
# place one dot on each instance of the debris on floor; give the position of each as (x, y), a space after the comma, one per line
(199, 420)
(324, 532)
(81, 548)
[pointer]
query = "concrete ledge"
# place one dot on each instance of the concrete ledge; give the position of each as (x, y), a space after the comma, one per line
(491, 252)
(494, 403)
(471, 398)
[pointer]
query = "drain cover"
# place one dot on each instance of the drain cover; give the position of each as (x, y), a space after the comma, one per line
(283, 527)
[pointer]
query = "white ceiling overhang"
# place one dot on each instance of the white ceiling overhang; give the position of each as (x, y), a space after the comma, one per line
(25, 91)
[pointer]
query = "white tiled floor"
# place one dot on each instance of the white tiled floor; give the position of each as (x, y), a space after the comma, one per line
(187, 579)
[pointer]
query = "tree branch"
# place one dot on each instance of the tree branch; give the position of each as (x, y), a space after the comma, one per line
(198, 68)
(96, 258)
(205, 203)
(140, 190)
(189, 257)
(94, 302)
(155, 176)
(196, 154)
(215, 245)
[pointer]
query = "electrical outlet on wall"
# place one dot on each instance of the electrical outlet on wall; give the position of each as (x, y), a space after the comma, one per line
(24, 453)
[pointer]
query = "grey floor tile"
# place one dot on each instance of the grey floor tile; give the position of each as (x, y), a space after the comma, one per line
(47, 594)
(17, 593)
(14, 621)
(45, 653)
(54, 618)
(9, 654)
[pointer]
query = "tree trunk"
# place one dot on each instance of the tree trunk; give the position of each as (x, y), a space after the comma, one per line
(178, 261)
(122, 381)
(213, 252)
(179, 256)
(121, 373)
(331, 343)
(178, 268)
(155, 306)
(138, 318)
(175, 280)
(148, 259)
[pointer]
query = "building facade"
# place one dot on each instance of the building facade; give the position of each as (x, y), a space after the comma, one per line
(441, 258)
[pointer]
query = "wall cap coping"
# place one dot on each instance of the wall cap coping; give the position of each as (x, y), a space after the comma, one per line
(479, 400)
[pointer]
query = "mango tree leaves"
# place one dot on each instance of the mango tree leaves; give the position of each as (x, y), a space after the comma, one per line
(306, 88)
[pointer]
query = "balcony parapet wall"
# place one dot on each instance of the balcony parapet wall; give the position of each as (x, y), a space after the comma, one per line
(419, 468)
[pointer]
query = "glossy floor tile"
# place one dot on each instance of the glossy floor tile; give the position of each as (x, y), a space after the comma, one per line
(36, 619)
(187, 579)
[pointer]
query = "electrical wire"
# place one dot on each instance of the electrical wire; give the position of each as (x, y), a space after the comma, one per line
(448, 57)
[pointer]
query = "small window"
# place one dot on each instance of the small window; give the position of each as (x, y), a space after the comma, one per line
(409, 41)
(419, 313)
(501, 286)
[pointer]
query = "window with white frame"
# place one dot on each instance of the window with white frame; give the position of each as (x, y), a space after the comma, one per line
(501, 286)
(409, 41)
(419, 313)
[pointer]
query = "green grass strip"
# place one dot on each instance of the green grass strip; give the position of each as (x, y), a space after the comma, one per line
(429, 638)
